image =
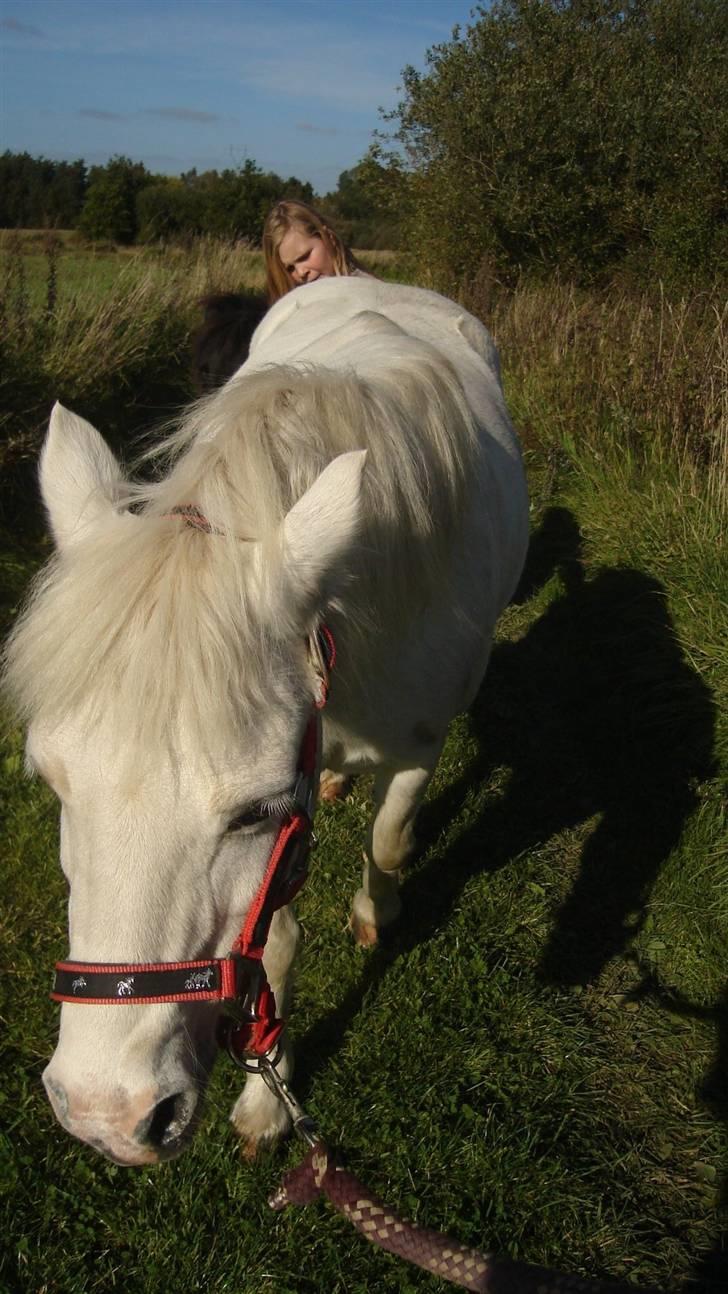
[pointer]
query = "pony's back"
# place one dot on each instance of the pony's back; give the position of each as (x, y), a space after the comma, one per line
(375, 329)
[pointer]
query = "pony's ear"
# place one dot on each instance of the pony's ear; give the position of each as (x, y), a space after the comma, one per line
(80, 479)
(318, 531)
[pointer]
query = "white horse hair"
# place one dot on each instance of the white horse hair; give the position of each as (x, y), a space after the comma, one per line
(359, 469)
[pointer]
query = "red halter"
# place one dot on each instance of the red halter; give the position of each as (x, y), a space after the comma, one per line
(239, 977)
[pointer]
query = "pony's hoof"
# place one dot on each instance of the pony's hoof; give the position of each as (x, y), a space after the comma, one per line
(333, 786)
(258, 1122)
(365, 933)
(369, 924)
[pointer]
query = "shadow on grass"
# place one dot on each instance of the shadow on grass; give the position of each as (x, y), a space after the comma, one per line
(598, 715)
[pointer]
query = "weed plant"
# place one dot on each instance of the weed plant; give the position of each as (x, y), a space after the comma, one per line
(89, 337)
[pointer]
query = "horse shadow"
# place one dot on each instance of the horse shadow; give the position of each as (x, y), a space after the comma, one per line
(598, 715)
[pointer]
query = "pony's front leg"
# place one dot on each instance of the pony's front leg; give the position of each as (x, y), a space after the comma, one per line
(258, 1115)
(397, 797)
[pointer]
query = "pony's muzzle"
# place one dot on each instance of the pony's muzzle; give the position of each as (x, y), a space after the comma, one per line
(131, 1130)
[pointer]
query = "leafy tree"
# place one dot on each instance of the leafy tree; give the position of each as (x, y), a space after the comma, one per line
(568, 133)
(169, 210)
(231, 203)
(66, 195)
(122, 201)
(109, 211)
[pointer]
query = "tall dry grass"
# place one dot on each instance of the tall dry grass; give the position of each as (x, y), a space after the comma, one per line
(634, 369)
(92, 344)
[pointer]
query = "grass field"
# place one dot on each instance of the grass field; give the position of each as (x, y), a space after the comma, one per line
(107, 331)
(536, 1061)
(90, 272)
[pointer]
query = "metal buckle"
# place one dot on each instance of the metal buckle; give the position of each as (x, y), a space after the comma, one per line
(247, 1060)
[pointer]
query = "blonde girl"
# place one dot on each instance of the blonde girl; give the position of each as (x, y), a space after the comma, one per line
(299, 246)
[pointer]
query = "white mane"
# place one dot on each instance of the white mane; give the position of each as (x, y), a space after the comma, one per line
(151, 621)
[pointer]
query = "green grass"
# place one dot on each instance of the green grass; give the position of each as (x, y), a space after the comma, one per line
(536, 1060)
(83, 275)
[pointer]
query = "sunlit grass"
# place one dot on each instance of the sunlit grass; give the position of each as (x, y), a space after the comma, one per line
(536, 1060)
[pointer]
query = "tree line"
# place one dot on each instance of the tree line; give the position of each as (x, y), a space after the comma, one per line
(123, 202)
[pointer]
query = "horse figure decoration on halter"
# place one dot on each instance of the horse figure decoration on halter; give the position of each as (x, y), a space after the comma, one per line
(360, 472)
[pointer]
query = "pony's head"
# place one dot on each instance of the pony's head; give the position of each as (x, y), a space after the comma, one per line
(165, 678)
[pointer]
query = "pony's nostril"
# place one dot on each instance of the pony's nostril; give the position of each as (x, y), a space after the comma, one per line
(57, 1095)
(168, 1121)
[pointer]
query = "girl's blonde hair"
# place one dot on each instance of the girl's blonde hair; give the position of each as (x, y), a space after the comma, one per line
(282, 217)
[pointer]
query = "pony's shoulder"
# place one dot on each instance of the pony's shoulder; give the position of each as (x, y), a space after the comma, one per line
(321, 320)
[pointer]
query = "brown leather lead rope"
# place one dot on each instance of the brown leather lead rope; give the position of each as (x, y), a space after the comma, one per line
(320, 1174)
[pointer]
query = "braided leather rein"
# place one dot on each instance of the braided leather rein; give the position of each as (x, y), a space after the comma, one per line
(319, 1173)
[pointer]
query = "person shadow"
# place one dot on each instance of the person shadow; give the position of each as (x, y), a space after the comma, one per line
(598, 716)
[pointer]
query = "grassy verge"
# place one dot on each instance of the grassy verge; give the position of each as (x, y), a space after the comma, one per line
(536, 1061)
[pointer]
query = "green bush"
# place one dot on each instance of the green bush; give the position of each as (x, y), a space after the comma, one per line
(570, 134)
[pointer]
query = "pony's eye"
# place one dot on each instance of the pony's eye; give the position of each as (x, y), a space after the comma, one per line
(277, 807)
(248, 818)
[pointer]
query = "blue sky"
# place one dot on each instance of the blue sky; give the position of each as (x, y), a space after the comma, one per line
(293, 84)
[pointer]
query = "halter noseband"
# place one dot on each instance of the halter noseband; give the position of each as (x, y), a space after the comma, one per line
(240, 977)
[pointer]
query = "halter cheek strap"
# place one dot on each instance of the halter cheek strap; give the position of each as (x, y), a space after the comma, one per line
(240, 977)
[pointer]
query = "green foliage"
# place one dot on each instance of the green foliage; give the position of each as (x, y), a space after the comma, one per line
(359, 210)
(109, 212)
(168, 209)
(123, 203)
(572, 134)
(228, 204)
(107, 334)
(39, 194)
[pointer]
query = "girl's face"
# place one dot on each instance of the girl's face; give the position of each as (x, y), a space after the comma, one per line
(305, 257)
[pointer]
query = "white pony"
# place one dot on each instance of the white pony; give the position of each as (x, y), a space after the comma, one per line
(360, 469)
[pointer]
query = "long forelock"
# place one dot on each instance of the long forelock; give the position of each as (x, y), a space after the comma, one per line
(152, 622)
